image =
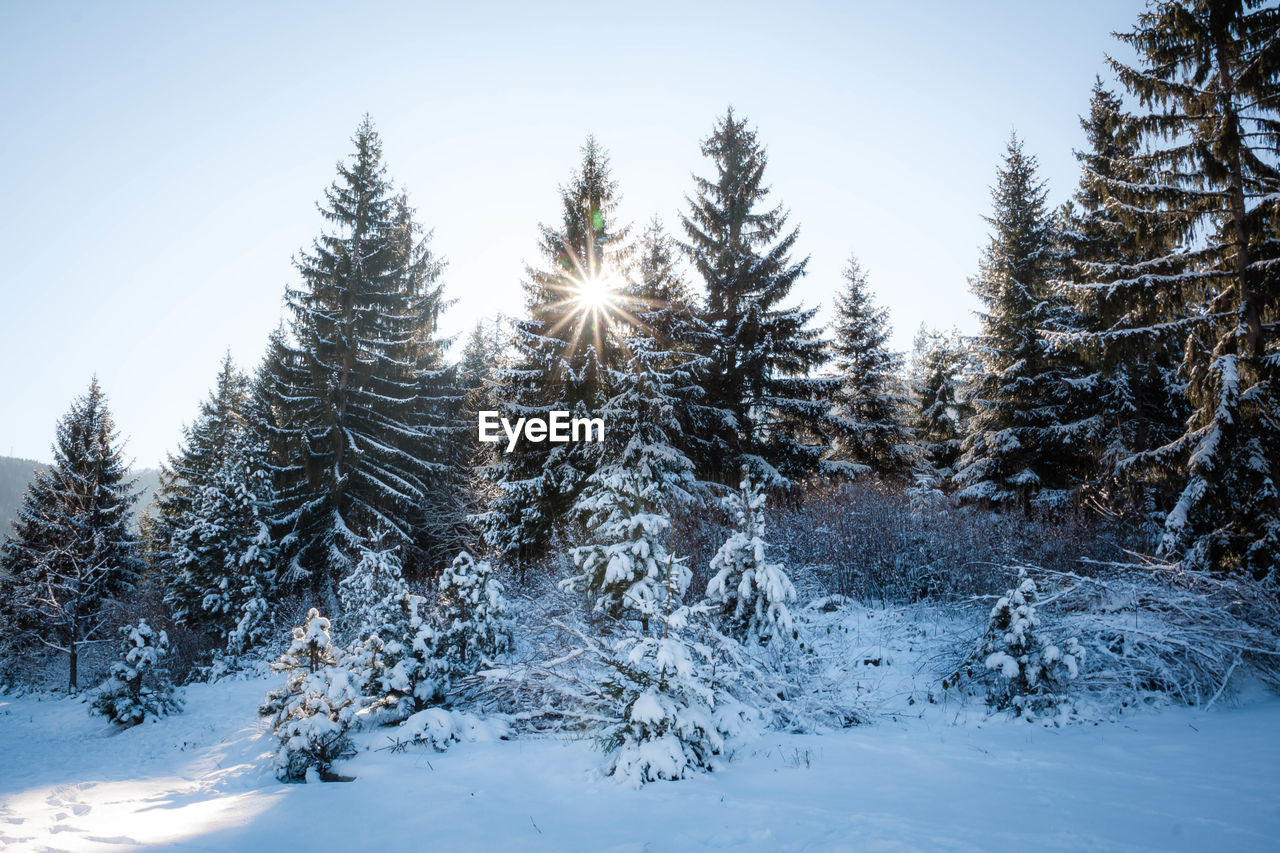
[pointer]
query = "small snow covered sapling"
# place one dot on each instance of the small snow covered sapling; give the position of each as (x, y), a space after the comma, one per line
(673, 721)
(752, 594)
(371, 593)
(621, 568)
(315, 708)
(404, 675)
(1030, 674)
(470, 621)
(139, 686)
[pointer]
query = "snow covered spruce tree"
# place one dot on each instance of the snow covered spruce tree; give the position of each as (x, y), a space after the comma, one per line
(365, 417)
(665, 715)
(215, 504)
(482, 355)
(627, 503)
(1023, 446)
(312, 713)
(671, 719)
(1027, 673)
(1208, 78)
(470, 622)
(938, 367)
(399, 667)
(371, 594)
(870, 402)
(661, 308)
(1126, 332)
(139, 687)
(564, 349)
(750, 592)
(71, 552)
(761, 404)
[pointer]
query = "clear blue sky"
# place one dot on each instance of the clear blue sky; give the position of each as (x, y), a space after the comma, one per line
(162, 161)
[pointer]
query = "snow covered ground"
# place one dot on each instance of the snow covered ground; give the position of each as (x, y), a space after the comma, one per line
(1174, 780)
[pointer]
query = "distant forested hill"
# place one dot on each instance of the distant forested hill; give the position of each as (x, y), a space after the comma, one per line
(15, 474)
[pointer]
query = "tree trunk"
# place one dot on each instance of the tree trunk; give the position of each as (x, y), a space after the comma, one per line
(1249, 314)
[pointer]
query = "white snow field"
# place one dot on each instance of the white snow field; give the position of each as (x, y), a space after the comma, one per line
(1177, 779)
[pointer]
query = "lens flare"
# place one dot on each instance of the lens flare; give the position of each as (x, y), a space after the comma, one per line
(596, 293)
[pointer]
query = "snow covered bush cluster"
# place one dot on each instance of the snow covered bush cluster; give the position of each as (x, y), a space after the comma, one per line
(139, 687)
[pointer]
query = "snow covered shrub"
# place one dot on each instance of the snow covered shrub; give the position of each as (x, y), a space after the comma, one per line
(371, 593)
(399, 667)
(1030, 673)
(440, 729)
(139, 685)
(672, 721)
(315, 708)
(1158, 631)
(752, 594)
(470, 621)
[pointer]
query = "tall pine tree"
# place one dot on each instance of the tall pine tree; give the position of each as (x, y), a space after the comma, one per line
(1126, 333)
(362, 402)
(565, 347)
(1023, 444)
(761, 400)
(72, 553)
(216, 501)
(1209, 77)
(871, 404)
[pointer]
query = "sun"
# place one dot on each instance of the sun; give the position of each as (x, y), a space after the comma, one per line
(595, 308)
(597, 292)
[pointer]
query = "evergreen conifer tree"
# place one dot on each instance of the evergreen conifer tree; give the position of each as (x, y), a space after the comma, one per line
(938, 366)
(762, 404)
(216, 502)
(139, 687)
(871, 404)
(750, 592)
(628, 502)
(371, 594)
(661, 309)
(366, 410)
(314, 710)
(470, 621)
(1028, 673)
(1023, 444)
(1125, 333)
(412, 676)
(71, 552)
(1209, 78)
(565, 347)
(670, 717)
